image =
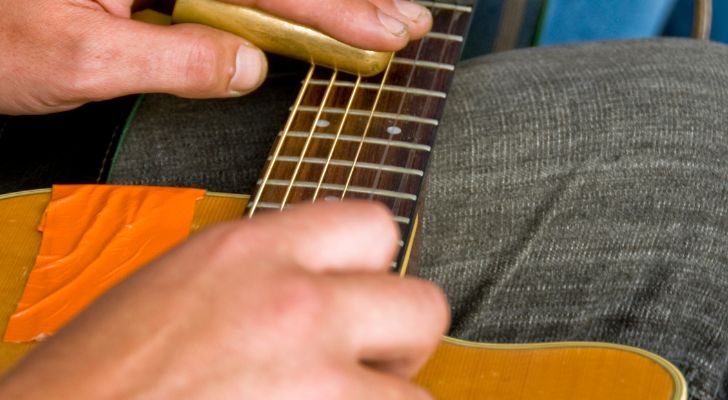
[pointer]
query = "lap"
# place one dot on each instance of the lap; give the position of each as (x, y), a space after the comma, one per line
(575, 193)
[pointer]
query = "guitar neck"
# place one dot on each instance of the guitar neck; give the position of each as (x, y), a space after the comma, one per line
(349, 137)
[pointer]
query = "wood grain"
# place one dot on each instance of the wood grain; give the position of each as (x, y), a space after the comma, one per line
(459, 370)
(565, 371)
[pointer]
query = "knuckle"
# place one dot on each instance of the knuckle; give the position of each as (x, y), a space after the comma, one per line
(301, 302)
(230, 239)
(201, 66)
(335, 383)
(78, 62)
(77, 83)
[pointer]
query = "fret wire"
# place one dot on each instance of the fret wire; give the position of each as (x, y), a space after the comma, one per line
(384, 79)
(423, 64)
(378, 114)
(390, 88)
(444, 49)
(347, 163)
(368, 140)
(370, 191)
(338, 135)
(378, 174)
(402, 220)
(281, 141)
(409, 83)
(353, 189)
(427, 100)
(297, 108)
(277, 206)
(446, 6)
(445, 36)
(366, 129)
(308, 139)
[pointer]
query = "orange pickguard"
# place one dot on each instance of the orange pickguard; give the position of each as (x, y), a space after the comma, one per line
(93, 237)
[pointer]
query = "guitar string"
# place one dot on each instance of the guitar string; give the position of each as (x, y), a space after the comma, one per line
(371, 196)
(291, 182)
(336, 138)
(287, 130)
(366, 128)
(364, 134)
(281, 141)
(411, 74)
(441, 58)
(378, 173)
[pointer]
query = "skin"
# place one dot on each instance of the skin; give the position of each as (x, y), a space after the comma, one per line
(290, 305)
(61, 54)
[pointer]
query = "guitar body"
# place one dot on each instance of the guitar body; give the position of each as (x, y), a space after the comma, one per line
(370, 138)
(458, 370)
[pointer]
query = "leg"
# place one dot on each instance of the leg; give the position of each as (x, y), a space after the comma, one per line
(580, 193)
(576, 193)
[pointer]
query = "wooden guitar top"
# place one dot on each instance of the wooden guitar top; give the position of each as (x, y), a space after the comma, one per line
(459, 370)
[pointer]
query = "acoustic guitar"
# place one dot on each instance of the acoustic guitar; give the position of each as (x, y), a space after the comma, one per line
(370, 138)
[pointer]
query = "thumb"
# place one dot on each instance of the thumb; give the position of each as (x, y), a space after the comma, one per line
(191, 61)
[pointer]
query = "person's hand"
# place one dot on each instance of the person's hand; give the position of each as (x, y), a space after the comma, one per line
(59, 54)
(292, 305)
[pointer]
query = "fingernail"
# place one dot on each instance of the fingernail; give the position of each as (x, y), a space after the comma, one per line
(393, 25)
(250, 69)
(411, 10)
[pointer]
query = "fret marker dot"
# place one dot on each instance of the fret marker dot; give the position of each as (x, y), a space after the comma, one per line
(331, 199)
(394, 130)
(323, 123)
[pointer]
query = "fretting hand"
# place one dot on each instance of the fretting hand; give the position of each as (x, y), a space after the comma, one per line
(59, 54)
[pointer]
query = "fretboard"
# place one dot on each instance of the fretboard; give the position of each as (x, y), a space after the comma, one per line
(368, 138)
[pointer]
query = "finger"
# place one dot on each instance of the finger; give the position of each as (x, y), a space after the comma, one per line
(392, 324)
(344, 236)
(369, 384)
(377, 25)
(126, 56)
(417, 18)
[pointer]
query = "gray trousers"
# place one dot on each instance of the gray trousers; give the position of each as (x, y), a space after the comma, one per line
(576, 193)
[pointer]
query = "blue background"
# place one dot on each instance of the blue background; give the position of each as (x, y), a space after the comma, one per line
(549, 22)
